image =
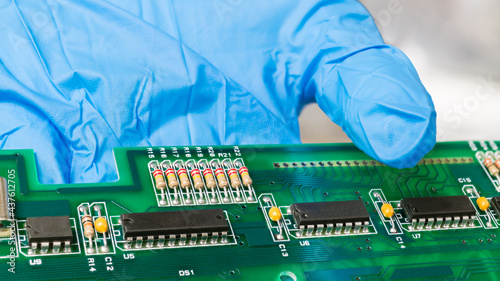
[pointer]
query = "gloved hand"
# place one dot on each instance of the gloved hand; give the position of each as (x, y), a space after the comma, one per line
(81, 77)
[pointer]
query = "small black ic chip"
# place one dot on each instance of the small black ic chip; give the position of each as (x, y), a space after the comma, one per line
(174, 223)
(438, 207)
(333, 212)
(495, 202)
(49, 229)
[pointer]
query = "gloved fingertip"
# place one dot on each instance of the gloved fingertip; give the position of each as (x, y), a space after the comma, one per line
(398, 137)
(377, 98)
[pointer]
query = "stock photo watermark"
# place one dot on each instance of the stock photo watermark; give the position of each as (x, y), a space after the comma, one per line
(487, 86)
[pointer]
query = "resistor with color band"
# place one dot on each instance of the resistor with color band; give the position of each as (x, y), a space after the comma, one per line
(183, 177)
(209, 178)
(160, 184)
(197, 181)
(171, 179)
(247, 181)
(492, 168)
(233, 177)
(172, 182)
(235, 182)
(210, 183)
(245, 177)
(497, 163)
(158, 176)
(185, 183)
(88, 228)
(221, 178)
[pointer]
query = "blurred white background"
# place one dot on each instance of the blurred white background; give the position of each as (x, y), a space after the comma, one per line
(455, 47)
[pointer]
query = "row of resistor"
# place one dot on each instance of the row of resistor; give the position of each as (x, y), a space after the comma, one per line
(492, 164)
(213, 177)
(91, 226)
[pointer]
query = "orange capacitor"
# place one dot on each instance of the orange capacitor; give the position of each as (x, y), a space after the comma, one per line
(197, 181)
(101, 225)
(233, 177)
(483, 203)
(274, 213)
(209, 178)
(245, 177)
(387, 210)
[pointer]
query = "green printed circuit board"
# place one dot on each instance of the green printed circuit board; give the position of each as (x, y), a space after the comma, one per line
(266, 212)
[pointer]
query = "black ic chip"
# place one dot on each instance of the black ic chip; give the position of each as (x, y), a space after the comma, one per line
(330, 212)
(174, 223)
(49, 229)
(438, 207)
(495, 202)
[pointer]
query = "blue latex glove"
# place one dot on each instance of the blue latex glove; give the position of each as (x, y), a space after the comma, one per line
(78, 79)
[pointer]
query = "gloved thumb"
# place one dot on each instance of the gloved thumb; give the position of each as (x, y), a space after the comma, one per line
(377, 98)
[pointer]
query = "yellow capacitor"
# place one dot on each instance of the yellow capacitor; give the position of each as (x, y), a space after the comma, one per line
(387, 210)
(274, 213)
(101, 225)
(482, 203)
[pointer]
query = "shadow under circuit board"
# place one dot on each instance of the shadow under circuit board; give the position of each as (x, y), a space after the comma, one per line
(291, 212)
